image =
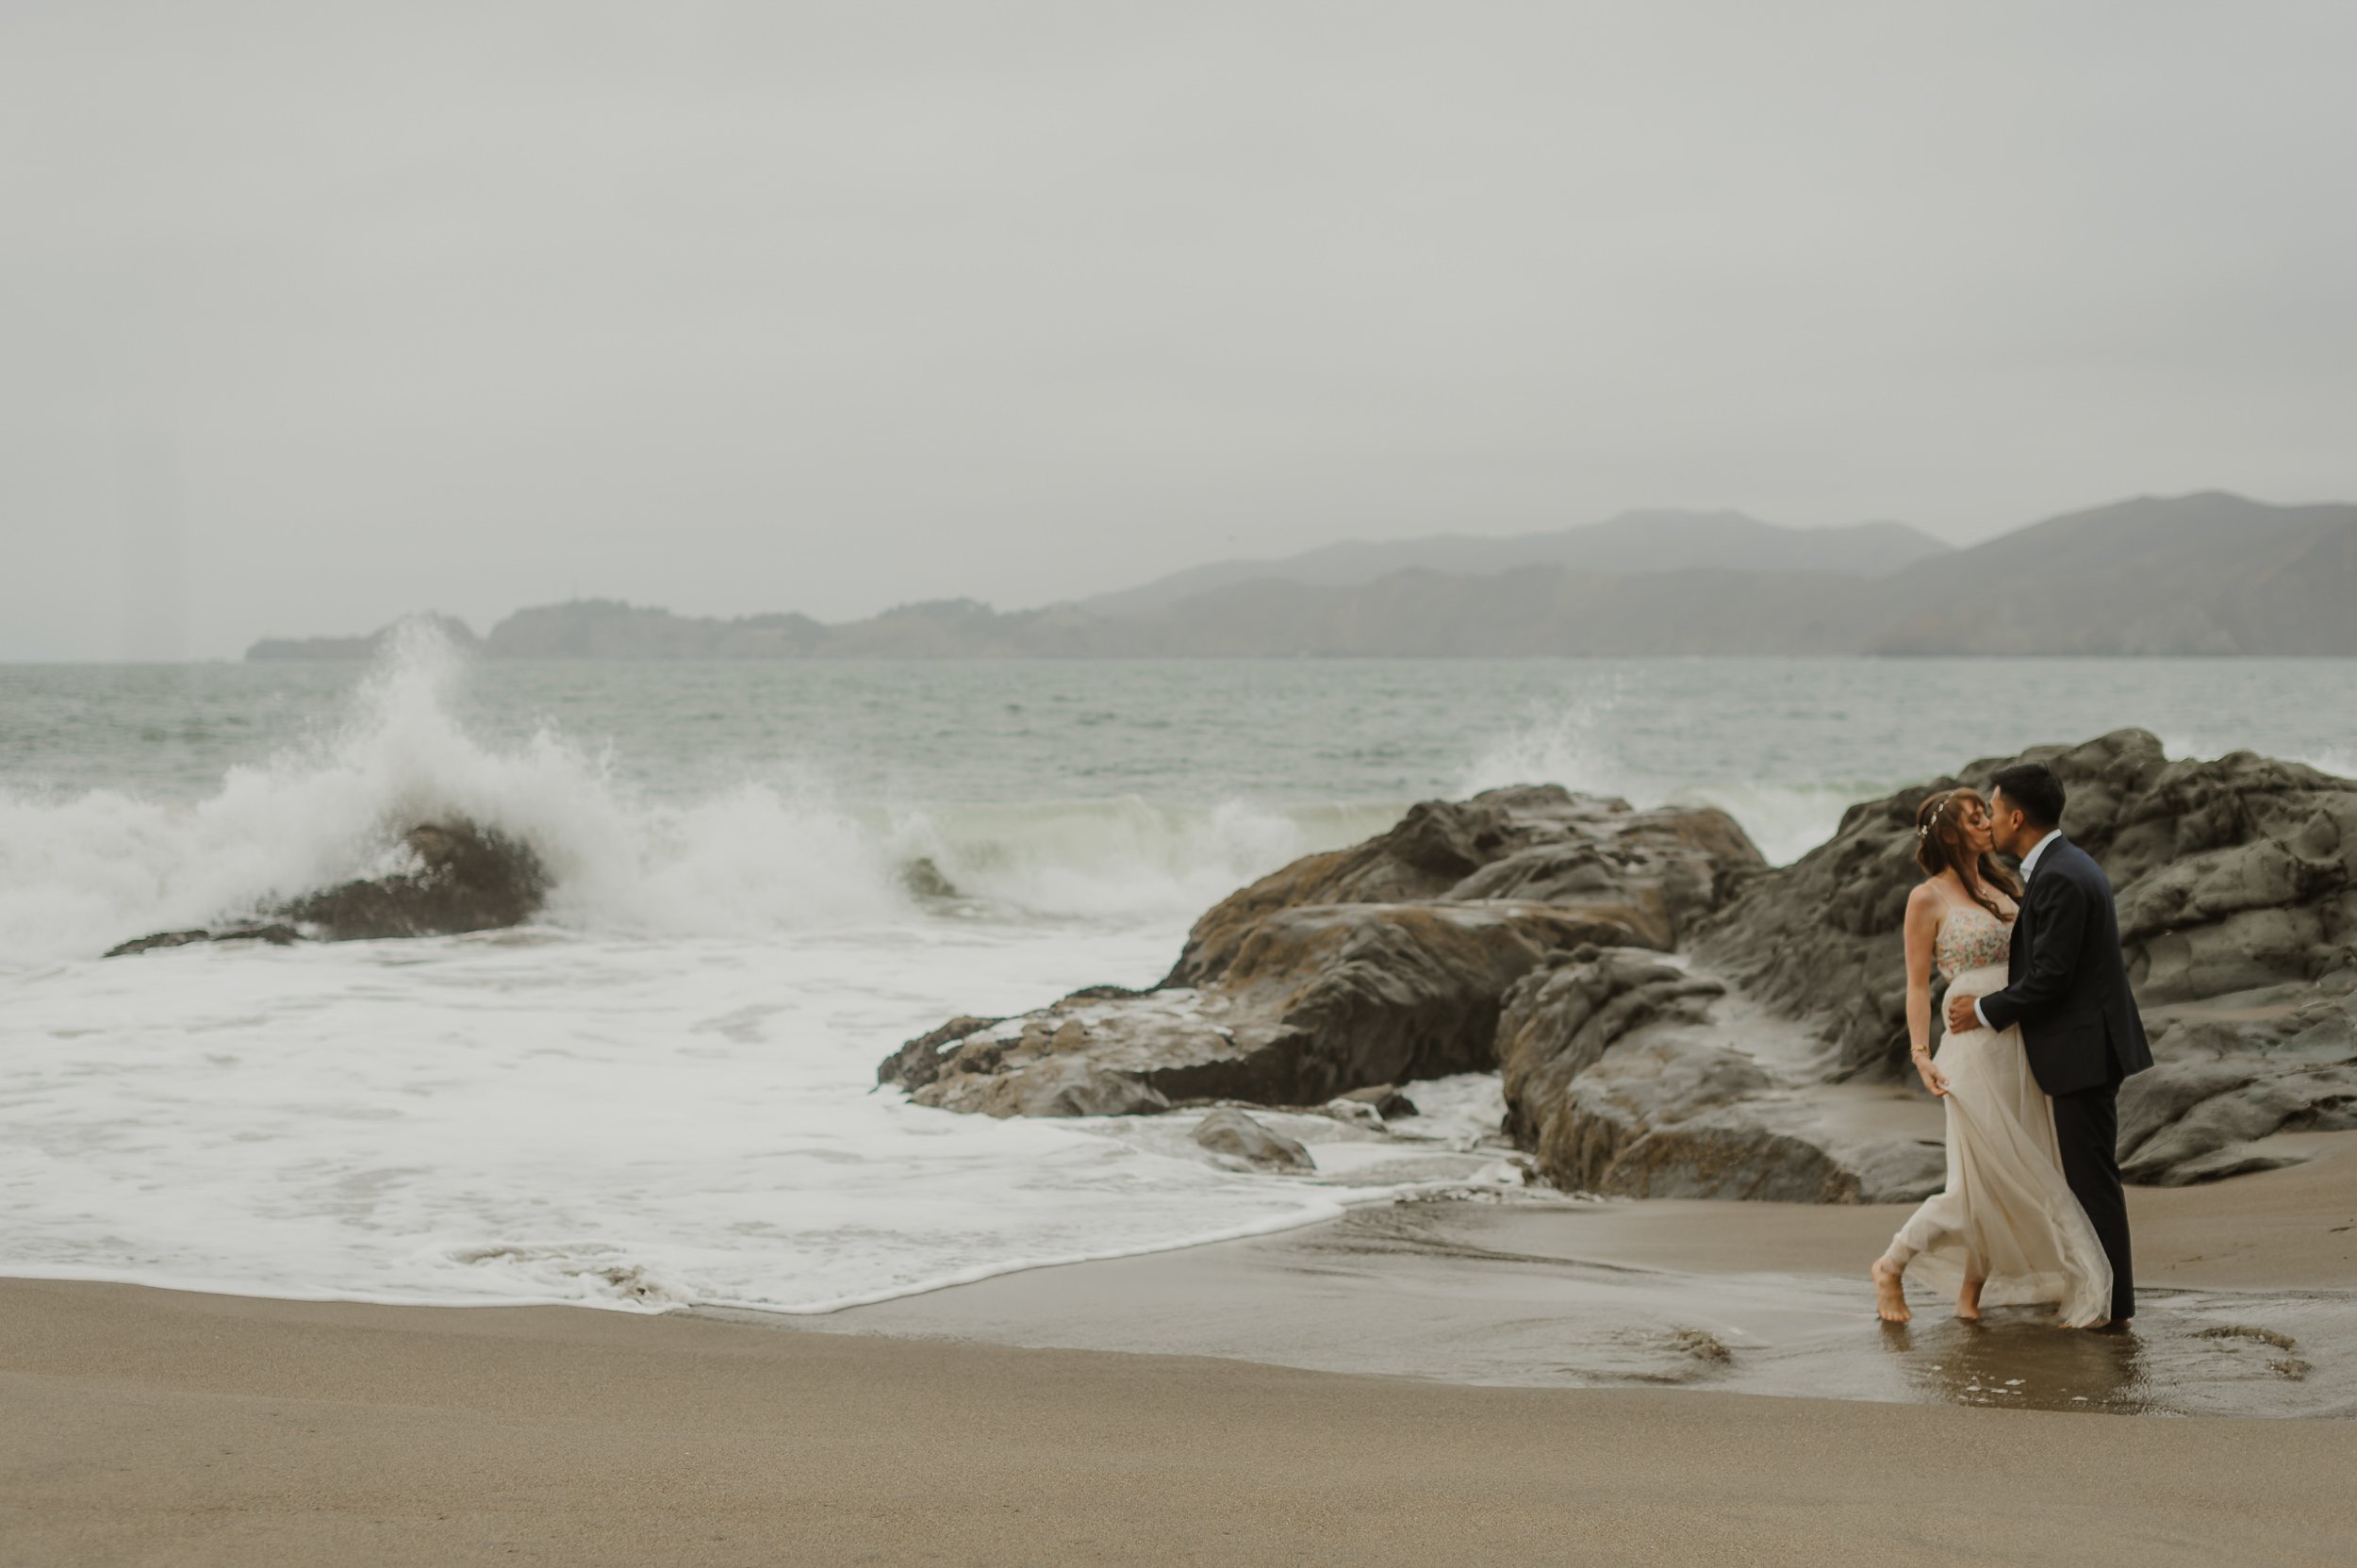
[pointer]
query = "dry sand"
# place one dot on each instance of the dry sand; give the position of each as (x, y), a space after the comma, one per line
(144, 1425)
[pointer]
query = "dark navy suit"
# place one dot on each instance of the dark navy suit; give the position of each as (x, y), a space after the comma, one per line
(2067, 988)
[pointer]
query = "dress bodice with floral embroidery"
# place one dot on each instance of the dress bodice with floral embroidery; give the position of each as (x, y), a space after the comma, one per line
(1970, 938)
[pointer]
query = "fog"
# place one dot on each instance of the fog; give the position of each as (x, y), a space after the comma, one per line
(311, 315)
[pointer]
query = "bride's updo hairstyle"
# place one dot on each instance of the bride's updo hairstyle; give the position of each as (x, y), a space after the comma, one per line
(1940, 846)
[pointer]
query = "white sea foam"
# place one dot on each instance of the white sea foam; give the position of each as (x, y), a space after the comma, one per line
(662, 1095)
(1120, 857)
(754, 857)
(1572, 742)
(561, 1119)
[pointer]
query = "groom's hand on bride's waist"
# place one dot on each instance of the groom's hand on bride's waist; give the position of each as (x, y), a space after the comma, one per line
(1961, 1016)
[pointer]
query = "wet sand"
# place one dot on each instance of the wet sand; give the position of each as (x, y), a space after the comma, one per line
(2249, 1303)
(144, 1425)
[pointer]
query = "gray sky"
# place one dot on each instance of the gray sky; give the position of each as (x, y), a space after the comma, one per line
(313, 314)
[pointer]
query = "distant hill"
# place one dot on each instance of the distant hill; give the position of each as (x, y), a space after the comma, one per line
(608, 629)
(2207, 573)
(2204, 573)
(1630, 544)
(301, 650)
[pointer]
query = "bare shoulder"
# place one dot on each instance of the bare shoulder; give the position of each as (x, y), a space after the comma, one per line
(1927, 902)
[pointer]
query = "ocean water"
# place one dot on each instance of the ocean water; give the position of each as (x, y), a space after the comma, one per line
(663, 1093)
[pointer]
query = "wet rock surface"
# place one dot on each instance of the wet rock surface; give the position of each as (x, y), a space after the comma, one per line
(468, 879)
(1363, 968)
(1623, 1076)
(1234, 1133)
(276, 935)
(464, 878)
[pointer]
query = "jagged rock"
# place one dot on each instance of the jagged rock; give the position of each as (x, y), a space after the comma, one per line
(1233, 1132)
(2235, 1072)
(1371, 965)
(1526, 928)
(1621, 1080)
(468, 879)
(1322, 1001)
(1648, 873)
(276, 935)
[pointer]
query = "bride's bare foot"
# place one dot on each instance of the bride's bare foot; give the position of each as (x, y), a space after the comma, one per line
(1890, 1295)
(1969, 1301)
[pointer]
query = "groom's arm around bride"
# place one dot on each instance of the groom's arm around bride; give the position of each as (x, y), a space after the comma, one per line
(2067, 990)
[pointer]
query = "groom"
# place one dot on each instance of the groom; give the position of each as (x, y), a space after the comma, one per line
(2067, 988)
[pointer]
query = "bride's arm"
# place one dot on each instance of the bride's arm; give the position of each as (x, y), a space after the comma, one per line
(1922, 933)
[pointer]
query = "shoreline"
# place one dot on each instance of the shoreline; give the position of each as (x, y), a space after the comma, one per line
(1314, 1395)
(2249, 1303)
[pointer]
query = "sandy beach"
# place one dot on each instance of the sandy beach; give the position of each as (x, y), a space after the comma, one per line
(147, 1426)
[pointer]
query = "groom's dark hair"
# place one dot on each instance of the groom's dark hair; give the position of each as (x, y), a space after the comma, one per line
(2032, 786)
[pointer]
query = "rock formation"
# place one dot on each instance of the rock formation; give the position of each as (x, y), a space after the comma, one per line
(1674, 1019)
(466, 878)
(1371, 965)
(1628, 1074)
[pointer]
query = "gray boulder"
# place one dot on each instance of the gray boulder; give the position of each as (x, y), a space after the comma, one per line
(1231, 1131)
(467, 878)
(1652, 873)
(1369, 967)
(1321, 1001)
(2233, 1071)
(1623, 1077)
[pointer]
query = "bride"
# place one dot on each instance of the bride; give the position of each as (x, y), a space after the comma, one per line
(2007, 1230)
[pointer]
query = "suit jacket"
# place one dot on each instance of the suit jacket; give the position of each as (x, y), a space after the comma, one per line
(2068, 983)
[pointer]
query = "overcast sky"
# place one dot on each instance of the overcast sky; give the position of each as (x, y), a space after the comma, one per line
(314, 314)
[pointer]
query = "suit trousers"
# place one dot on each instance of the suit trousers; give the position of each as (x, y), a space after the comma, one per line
(2086, 1134)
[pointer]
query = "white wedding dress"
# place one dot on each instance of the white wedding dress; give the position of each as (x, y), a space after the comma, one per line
(2007, 1216)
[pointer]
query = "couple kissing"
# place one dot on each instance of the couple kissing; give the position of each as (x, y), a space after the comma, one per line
(2041, 1029)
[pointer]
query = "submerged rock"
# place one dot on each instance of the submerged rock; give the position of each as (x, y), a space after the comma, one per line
(466, 878)
(1385, 1100)
(276, 935)
(920, 878)
(1233, 1132)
